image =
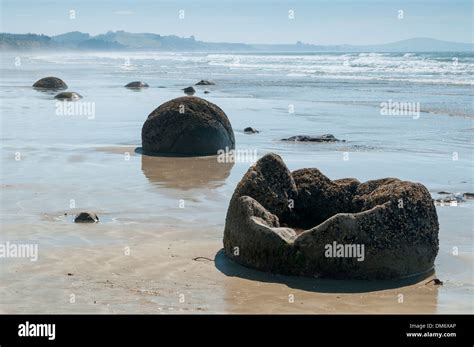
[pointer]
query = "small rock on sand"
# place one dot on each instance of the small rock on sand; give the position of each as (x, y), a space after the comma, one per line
(205, 83)
(451, 199)
(68, 96)
(189, 90)
(86, 217)
(137, 85)
(250, 130)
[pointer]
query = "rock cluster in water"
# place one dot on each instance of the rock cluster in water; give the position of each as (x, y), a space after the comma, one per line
(303, 223)
(307, 138)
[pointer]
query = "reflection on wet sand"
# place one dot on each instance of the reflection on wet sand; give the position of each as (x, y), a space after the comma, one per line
(185, 173)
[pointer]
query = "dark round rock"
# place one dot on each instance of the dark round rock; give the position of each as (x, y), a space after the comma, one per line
(205, 83)
(69, 96)
(50, 83)
(136, 85)
(250, 130)
(468, 195)
(86, 217)
(187, 126)
(189, 90)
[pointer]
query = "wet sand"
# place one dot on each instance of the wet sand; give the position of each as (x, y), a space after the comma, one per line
(159, 258)
(73, 163)
(172, 272)
(138, 260)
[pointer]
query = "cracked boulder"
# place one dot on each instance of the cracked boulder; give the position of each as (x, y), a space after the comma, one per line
(302, 223)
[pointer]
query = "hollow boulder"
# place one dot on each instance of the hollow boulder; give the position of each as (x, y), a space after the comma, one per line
(303, 223)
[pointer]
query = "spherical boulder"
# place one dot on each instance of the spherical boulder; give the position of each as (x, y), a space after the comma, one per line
(50, 83)
(68, 96)
(137, 85)
(187, 126)
(189, 91)
(303, 223)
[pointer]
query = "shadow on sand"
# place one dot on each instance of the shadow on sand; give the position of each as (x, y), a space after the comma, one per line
(230, 268)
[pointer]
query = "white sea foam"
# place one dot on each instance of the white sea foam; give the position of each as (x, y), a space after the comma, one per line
(414, 68)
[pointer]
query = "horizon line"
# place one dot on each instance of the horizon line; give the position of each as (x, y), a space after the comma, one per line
(245, 43)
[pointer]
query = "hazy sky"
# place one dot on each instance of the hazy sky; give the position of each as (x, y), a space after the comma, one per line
(259, 21)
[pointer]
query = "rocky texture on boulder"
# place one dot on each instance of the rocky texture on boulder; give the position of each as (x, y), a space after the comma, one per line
(285, 223)
(50, 83)
(86, 217)
(307, 138)
(68, 96)
(137, 85)
(187, 126)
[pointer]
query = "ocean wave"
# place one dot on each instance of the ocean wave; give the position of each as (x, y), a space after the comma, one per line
(408, 67)
(389, 67)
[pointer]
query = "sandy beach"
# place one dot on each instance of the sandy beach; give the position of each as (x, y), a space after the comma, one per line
(175, 273)
(139, 262)
(157, 247)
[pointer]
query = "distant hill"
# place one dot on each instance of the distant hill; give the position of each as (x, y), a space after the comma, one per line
(25, 41)
(122, 40)
(72, 38)
(421, 44)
